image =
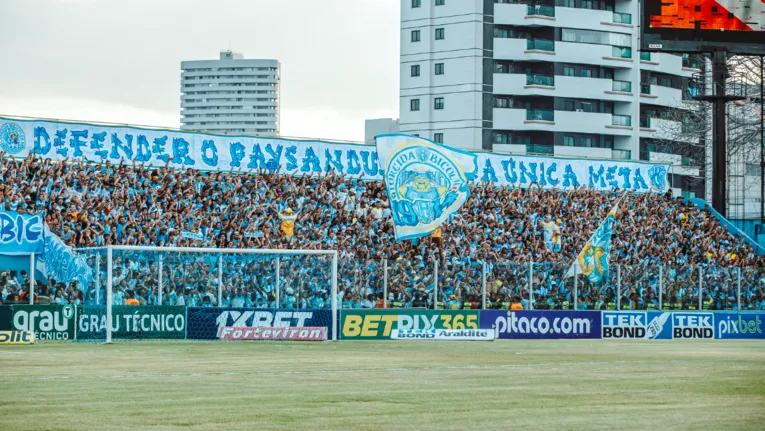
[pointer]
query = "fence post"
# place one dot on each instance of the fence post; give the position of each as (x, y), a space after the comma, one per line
(661, 287)
(278, 282)
(109, 294)
(98, 279)
(576, 292)
(159, 282)
(738, 290)
(701, 286)
(435, 283)
(483, 285)
(385, 283)
(220, 280)
(31, 278)
(334, 296)
(531, 284)
(619, 287)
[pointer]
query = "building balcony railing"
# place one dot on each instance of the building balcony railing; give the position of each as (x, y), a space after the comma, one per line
(540, 44)
(540, 115)
(645, 88)
(645, 56)
(541, 10)
(645, 122)
(622, 18)
(621, 120)
(536, 79)
(621, 52)
(622, 154)
(539, 149)
(623, 86)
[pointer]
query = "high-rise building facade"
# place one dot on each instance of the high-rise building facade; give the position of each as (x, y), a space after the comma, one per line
(553, 77)
(232, 95)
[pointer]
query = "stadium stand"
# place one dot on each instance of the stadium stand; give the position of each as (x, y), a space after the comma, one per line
(92, 205)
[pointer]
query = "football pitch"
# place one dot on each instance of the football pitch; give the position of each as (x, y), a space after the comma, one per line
(554, 384)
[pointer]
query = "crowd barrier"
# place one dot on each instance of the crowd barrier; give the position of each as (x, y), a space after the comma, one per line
(88, 323)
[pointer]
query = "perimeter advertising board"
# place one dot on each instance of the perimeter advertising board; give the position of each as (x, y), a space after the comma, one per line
(654, 325)
(377, 324)
(258, 324)
(48, 322)
(538, 324)
(129, 321)
(739, 325)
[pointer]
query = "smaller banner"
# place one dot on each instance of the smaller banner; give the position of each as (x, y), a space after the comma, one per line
(211, 323)
(17, 337)
(21, 233)
(376, 324)
(426, 182)
(130, 321)
(48, 322)
(535, 324)
(657, 325)
(304, 333)
(443, 334)
(739, 325)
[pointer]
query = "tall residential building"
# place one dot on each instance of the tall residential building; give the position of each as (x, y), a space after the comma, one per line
(232, 95)
(552, 77)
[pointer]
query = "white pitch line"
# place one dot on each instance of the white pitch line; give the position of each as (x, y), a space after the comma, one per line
(318, 372)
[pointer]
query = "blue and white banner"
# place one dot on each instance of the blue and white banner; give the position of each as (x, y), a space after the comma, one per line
(64, 264)
(426, 182)
(739, 325)
(157, 147)
(21, 233)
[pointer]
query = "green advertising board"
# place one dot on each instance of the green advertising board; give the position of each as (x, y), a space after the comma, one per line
(132, 322)
(377, 324)
(48, 322)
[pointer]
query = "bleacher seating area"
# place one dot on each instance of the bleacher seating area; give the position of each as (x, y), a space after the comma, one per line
(92, 205)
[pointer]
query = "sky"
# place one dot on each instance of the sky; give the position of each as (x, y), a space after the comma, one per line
(119, 61)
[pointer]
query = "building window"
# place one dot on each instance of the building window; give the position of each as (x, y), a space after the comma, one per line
(438, 137)
(439, 68)
(586, 73)
(438, 103)
(416, 70)
(439, 34)
(415, 35)
(416, 3)
(440, 2)
(585, 142)
(568, 71)
(414, 104)
(568, 141)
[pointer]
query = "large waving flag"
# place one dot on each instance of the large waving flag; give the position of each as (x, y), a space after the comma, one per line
(592, 261)
(426, 181)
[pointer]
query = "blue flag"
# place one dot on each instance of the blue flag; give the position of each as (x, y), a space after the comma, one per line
(592, 261)
(427, 182)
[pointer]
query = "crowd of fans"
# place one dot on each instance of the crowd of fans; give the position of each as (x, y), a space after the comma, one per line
(659, 241)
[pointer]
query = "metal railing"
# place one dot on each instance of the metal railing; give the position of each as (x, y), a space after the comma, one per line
(622, 154)
(622, 18)
(621, 51)
(645, 88)
(645, 56)
(645, 122)
(539, 149)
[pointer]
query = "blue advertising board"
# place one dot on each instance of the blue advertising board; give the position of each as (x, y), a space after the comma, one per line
(206, 323)
(538, 324)
(21, 233)
(657, 325)
(739, 325)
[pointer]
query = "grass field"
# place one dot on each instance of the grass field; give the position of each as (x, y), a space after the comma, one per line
(384, 385)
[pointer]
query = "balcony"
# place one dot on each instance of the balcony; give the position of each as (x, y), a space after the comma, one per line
(645, 56)
(540, 45)
(621, 154)
(621, 120)
(540, 115)
(621, 86)
(540, 80)
(621, 52)
(645, 122)
(622, 18)
(539, 149)
(541, 10)
(645, 89)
